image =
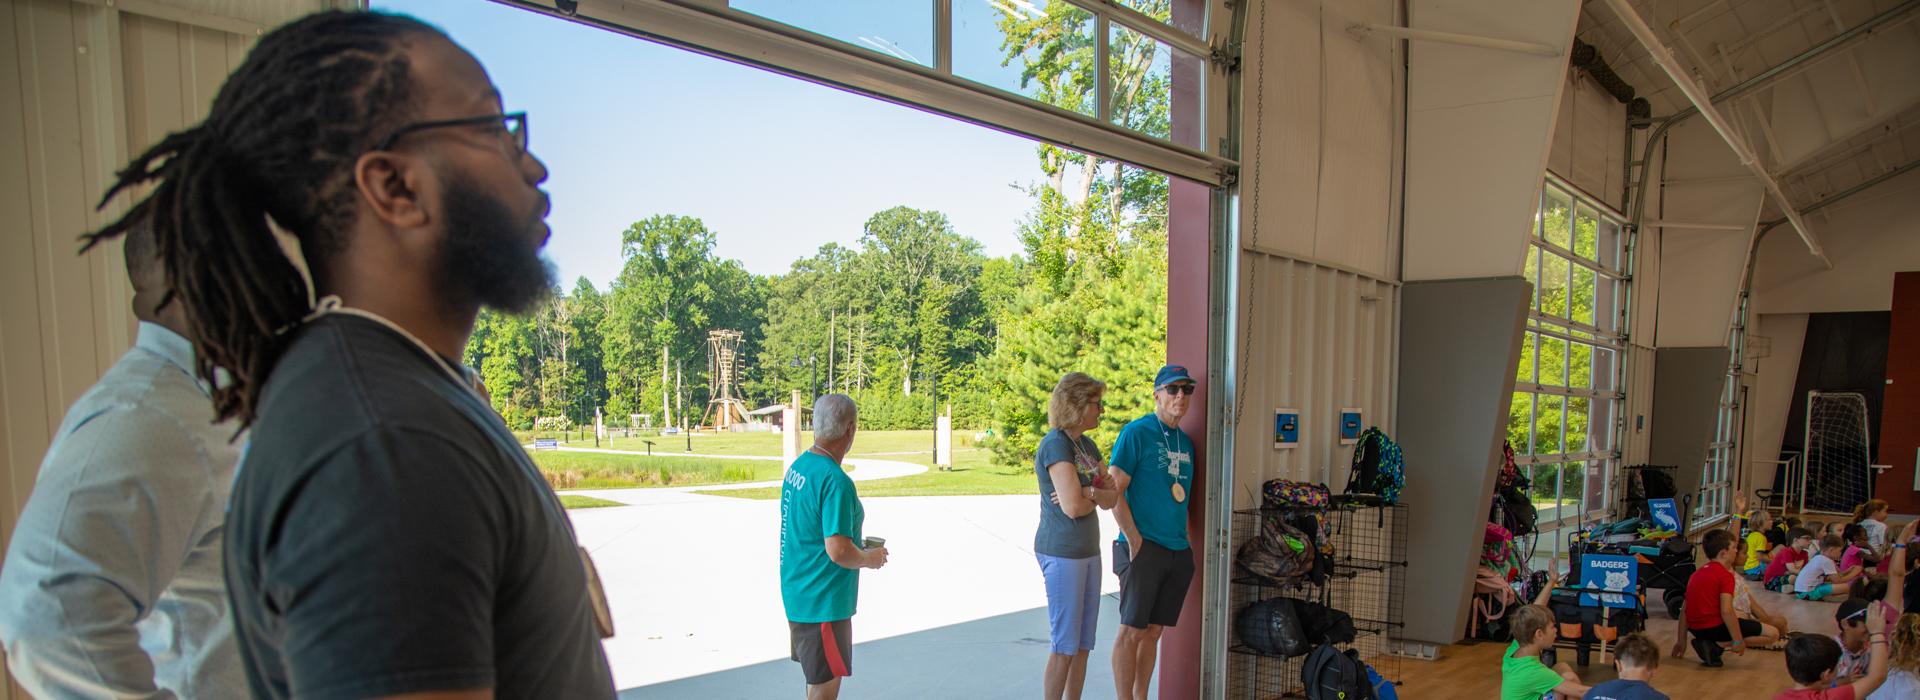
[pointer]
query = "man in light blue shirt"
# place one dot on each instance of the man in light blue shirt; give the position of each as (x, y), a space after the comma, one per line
(1152, 464)
(822, 550)
(113, 582)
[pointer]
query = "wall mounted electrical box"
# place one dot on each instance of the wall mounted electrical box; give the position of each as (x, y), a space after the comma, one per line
(1286, 428)
(1350, 426)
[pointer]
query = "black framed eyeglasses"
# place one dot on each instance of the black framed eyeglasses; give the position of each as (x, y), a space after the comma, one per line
(1178, 389)
(512, 126)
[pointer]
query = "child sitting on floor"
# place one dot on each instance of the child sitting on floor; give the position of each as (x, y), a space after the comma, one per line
(1753, 561)
(1708, 613)
(1787, 560)
(1635, 658)
(1859, 551)
(1811, 659)
(1522, 675)
(1821, 578)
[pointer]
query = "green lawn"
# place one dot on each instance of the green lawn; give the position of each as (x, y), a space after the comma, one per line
(572, 502)
(592, 470)
(973, 474)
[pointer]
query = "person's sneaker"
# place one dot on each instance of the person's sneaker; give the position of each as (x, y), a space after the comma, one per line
(1709, 653)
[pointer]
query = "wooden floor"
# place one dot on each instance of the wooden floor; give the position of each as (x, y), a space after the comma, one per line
(1473, 670)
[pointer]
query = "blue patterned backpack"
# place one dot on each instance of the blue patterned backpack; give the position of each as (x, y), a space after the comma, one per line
(1377, 467)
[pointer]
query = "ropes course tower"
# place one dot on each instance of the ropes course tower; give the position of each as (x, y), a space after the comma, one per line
(723, 380)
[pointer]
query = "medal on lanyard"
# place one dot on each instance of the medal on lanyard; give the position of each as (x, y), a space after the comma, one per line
(1179, 494)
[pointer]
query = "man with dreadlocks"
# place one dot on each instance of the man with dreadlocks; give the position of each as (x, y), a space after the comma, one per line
(388, 536)
(113, 583)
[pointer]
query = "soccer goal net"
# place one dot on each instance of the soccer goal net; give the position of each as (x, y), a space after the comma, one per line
(1838, 475)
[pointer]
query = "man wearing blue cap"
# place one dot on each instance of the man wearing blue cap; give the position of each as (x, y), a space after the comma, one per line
(1153, 466)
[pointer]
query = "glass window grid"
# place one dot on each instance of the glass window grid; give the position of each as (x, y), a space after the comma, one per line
(1579, 262)
(1130, 24)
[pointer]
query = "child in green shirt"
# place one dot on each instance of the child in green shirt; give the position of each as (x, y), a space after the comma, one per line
(1522, 675)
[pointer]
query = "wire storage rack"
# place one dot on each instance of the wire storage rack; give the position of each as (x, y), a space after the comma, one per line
(1367, 581)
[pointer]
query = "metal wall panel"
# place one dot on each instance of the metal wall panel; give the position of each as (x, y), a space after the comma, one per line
(1318, 143)
(1321, 339)
(88, 83)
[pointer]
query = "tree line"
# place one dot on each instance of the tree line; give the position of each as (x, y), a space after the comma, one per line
(909, 318)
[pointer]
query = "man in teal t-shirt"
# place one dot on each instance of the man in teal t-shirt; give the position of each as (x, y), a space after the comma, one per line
(821, 550)
(1153, 466)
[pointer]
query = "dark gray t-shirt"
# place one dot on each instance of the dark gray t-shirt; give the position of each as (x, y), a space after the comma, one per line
(388, 535)
(1059, 535)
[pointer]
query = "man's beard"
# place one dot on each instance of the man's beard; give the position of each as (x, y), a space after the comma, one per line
(485, 258)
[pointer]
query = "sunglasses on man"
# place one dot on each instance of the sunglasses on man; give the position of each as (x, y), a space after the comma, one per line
(1179, 389)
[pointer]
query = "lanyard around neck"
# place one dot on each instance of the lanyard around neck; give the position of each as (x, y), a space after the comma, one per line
(331, 304)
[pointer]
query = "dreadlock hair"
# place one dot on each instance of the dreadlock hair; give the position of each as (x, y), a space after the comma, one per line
(280, 140)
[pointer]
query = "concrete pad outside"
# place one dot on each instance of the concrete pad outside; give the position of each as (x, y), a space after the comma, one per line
(959, 611)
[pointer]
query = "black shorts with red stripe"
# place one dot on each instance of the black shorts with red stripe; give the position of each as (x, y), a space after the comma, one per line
(824, 649)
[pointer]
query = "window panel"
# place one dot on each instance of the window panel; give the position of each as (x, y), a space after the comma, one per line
(1141, 71)
(1531, 270)
(1547, 419)
(1586, 227)
(1520, 423)
(1556, 223)
(1573, 483)
(1553, 361)
(1549, 422)
(1553, 285)
(903, 30)
(984, 50)
(1583, 295)
(1525, 372)
(1580, 366)
(1578, 421)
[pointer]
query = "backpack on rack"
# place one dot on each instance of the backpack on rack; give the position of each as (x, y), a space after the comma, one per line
(1320, 624)
(1271, 627)
(1287, 494)
(1378, 468)
(1332, 674)
(1314, 526)
(1517, 513)
(1279, 554)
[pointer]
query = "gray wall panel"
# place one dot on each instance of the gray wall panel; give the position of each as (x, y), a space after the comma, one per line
(1686, 403)
(1460, 341)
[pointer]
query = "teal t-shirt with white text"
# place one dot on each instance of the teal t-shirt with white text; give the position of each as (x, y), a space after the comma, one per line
(817, 501)
(1156, 456)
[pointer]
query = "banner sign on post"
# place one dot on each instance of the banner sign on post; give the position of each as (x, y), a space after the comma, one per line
(1607, 572)
(1665, 513)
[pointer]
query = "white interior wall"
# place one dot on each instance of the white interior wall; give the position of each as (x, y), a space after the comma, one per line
(1868, 236)
(1479, 126)
(1771, 395)
(1317, 141)
(1589, 138)
(88, 83)
(1703, 183)
(1322, 340)
(1319, 179)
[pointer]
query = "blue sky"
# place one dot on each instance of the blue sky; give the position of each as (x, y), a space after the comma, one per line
(775, 166)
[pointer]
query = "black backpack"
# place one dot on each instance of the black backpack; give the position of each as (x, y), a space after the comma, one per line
(1332, 674)
(1518, 515)
(1270, 627)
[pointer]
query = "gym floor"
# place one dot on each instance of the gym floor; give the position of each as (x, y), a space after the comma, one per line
(1473, 670)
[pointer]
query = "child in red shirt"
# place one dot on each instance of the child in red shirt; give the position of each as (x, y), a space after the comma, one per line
(1708, 613)
(1787, 560)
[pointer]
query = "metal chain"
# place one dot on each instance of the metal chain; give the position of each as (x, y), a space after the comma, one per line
(1253, 220)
